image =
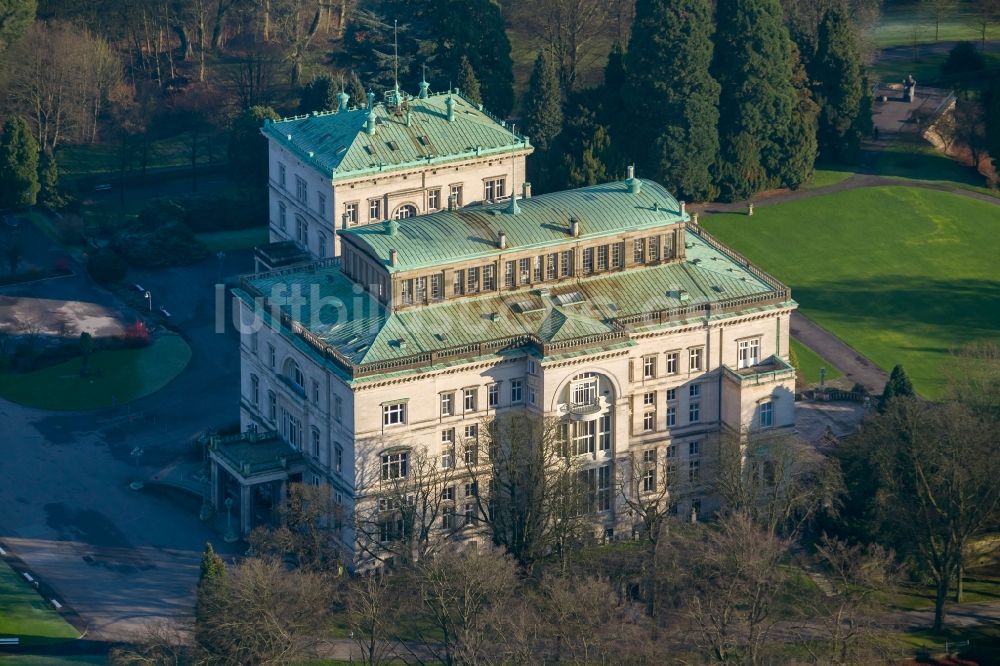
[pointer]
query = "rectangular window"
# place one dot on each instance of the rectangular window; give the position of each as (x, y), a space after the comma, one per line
(352, 212)
(536, 263)
(649, 367)
(653, 248)
(471, 453)
(301, 189)
(281, 175)
(458, 284)
(531, 395)
(673, 363)
(437, 290)
(434, 199)
(446, 404)
(694, 448)
(315, 443)
(516, 390)
(604, 433)
(469, 517)
(255, 390)
(584, 391)
(271, 354)
(748, 353)
(394, 414)
(694, 390)
(565, 263)
(671, 416)
(551, 267)
(694, 471)
(420, 289)
(766, 415)
(469, 399)
(448, 448)
(509, 275)
(649, 471)
(524, 271)
(473, 280)
(495, 188)
(375, 209)
(394, 465)
(588, 261)
(448, 518)
(315, 392)
(639, 250)
(672, 451)
(649, 398)
(584, 437)
(489, 278)
(602, 258)
(649, 422)
(338, 458)
(407, 291)
(456, 194)
(493, 395)
(671, 394)
(471, 489)
(604, 488)
(321, 203)
(282, 215)
(617, 255)
(696, 356)
(448, 494)
(694, 412)
(338, 409)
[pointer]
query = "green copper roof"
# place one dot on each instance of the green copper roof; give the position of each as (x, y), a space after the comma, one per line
(336, 142)
(468, 233)
(363, 331)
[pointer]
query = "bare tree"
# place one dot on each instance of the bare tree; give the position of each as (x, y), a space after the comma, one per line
(970, 128)
(984, 14)
(935, 11)
(158, 644)
(309, 531)
(371, 612)
(644, 489)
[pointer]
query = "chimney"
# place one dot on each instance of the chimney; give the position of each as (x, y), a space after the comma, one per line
(450, 104)
(371, 100)
(393, 257)
(424, 87)
(452, 202)
(683, 209)
(345, 220)
(502, 241)
(526, 188)
(630, 172)
(393, 227)
(633, 183)
(574, 227)
(342, 99)
(409, 118)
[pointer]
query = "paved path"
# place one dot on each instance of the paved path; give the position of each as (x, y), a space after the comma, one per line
(854, 365)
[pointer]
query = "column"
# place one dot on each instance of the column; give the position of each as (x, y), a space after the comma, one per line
(246, 516)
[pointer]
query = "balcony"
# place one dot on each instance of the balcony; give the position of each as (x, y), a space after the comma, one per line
(771, 370)
(590, 410)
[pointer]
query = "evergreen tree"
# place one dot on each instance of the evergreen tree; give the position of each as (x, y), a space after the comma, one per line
(48, 180)
(753, 64)
(839, 88)
(16, 17)
(320, 94)
(543, 117)
(18, 165)
(212, 567)
(800, 140)
(991, 111)
(211, 576)
(899, 385)
(475, 29)
(672, 112)
(964, 67)
(355, 89)
(248, 148)
(468, 83)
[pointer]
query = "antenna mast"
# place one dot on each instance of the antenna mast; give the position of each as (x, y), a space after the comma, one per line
(395, 53)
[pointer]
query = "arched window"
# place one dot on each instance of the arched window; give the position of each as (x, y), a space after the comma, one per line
(406, 210)
(294, 374)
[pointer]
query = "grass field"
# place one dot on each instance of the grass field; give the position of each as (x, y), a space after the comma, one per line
(122, 375)
(826, 176)
(918, 160)
(904, 275)
(810, 362)
(91, 159)
(904, 24)
(26, 615)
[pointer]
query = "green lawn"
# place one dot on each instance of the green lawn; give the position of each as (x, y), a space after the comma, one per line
(240, 239)
(26, 615)
(904, 275)
(45, 660)
(124, 374)
(810, 362)
(904, 24)
(826, 176)
(91, 159)
(918, 160)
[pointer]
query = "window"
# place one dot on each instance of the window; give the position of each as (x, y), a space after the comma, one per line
(281, 175)
(469, 399)
(472, 432)
(375, 209)
(604, 488)
(671, 416)
(338, 409)
(456, 194)
(458, 283)
(471, 489)
(516, 390)
(420, 289)
(671, 394)
(617, 253)
(301, 231)
(602, 258)
(315, 443)
(434, 199)
(584, 389)
(537, 268)
(446, 404)
(509, 275)
(673, 363)
(694, 412)
(448, 448)
(492, 395)
(694, 390)
(272, 406)
(405, 211)
(694, 448)
(394, 465)
(255, 390)
(315, 392)
(696, 354)
(489, 278)
(532, 367)
(338, 458)
(448, 518)
(584, 437)
(471, 451)
(448, 494)
(653, 248)
(524, 271)
(291, 428)
(551, 263)
(322, 245)
(649, 398)
(352, 212)
(494, 189)
(694, 471)
(649, 367)
(639, 251)
(748, 353)
(321, 203)
(649, 471)
(394, 414)
(649, 422)
(301, 189)
(437, 290)
(766, 414)
(604, 433)
(565, 263)
(282, 215)
(270, 354)
(470, 514)
(407, 291)
(473, 280)
(588, 260)
(672, 451)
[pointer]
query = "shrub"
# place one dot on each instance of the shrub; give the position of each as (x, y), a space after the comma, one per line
(158, 238)
(106, 267)
(136, 335)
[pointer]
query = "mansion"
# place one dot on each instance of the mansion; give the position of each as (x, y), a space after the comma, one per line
(604, 308)
(400, 158)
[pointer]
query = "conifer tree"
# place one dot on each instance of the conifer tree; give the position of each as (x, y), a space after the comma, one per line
(210, 578)
(753, 64)
(543, 118)
(355, 89)
(247, 148)
(898, 386)
(672, 100)
(839, 88)
(320, 94)
(468, 83)
(18, 165)
(800, 139)
(48, 180)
